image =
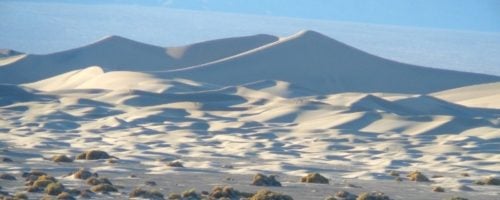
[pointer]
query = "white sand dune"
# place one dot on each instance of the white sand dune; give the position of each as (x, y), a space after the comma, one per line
(482, 96)
(314, 61)
(118, 53)
(301, 104)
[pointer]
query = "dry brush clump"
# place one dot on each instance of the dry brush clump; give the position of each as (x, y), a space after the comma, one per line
(65, 196)
(227, 192)
(437, 189)
(373, 196)
(83, 174)
(263, 180)
(104, 188)
(314, 178)
(146, 194)
(269, 195)
(97, 181)
(61, 158)
(55, 188)
(417, 176)
(94, 155)
(175, 164)
(7, 177)
(488, 181)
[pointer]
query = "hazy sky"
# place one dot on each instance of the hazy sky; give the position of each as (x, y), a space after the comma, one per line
(477, 15)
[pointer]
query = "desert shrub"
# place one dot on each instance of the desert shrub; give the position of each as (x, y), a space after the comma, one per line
(54, 188)
(190, 194)
(146, 194)
(314, 178)
(21, 196)
(61, 158)
(437, 189)
(93, 155)
(7, 177)
(457, 198)
(103, 188)
(373, 196)
(175, 164)
(65, 196)
(488, 181)
(82, 174)
(417, 176)
(97, 181)
(269, 195)
(263, 180)
(394, 173)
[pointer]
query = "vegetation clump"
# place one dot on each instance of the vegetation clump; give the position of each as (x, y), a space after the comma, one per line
(373, 196)
(93, 155)
(269, 195)
(175, 164)
(263, 180)
(345, 195)
(488, 181)
(7, 177)
(417, 176)
(61, 158)
(227, 192)
(190, 194)
(314, 178)
(146, 194)
(457, 198)
(65, 196)
(394, 173)
(54, 188)
(83, 174)
(97, 181)
(103, 188)
(437, 189)
(21, 196)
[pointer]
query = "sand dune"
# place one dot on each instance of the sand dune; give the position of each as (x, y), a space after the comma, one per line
(314, 61)
(118, 53)
(305, 103)
(483, 95)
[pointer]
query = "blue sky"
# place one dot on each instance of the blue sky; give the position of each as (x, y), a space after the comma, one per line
(473, 15)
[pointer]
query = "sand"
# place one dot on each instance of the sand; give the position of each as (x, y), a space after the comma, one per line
(285, 107)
